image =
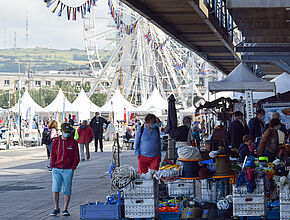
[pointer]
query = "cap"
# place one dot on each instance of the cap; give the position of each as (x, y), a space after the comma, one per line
(65, 127)
(238, 113)
(275, 115)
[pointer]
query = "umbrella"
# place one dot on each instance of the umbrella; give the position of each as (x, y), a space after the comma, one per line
(171, 126)
(172, 117)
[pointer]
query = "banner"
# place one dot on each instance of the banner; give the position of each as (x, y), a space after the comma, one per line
(124, 28)
(70, 11)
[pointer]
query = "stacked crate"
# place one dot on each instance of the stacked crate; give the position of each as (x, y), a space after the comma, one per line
(284, 202)
(250, 204)
(181, 187)
(141, 199)
(208, 191)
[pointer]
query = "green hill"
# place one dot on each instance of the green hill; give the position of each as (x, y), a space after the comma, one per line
(36, 59)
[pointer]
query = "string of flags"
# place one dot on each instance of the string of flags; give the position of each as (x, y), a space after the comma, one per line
(69, 10)
(183, 64)
(124, 28)
(154, 46)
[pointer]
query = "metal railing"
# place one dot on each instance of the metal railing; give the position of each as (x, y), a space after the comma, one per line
(218, 8)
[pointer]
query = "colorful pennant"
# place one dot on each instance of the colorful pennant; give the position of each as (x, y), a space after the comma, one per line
(71, 11)
(124, 28)
(154, 46)
(183, 64)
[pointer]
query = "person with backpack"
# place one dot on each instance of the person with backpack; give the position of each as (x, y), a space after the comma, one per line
(52, 134)
(269, 144)
(148, 145)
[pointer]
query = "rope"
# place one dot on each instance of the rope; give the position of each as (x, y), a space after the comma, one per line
(122, 176)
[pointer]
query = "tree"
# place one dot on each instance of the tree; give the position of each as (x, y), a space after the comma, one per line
(99, 99)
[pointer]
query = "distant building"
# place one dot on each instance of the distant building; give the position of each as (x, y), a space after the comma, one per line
(39, 79)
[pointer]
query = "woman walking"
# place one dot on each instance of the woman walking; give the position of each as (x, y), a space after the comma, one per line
(52, 127)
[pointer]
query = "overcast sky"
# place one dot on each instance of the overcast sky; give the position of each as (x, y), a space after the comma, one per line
(45, 28)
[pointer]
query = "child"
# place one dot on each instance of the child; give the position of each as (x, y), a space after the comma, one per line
(245, 148)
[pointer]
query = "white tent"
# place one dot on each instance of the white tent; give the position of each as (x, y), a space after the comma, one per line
(28, 106)
(59, 104)
(84, 106)
(282, 83)
(241, 79)
(154, 104)
(117, 104)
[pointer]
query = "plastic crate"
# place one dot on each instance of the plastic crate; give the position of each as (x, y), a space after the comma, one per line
(169, 215)
(101, 211)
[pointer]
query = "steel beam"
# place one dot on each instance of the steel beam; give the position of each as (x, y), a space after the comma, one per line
(283, 65)
(264, 49)
(258, 3)
(265, 58)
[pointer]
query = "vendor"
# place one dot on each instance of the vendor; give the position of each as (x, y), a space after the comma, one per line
(238, 128)
(269, 144)
(184, 133)
(148, 145)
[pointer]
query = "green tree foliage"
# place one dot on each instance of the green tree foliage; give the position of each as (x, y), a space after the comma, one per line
(4, 98)
(99, 99)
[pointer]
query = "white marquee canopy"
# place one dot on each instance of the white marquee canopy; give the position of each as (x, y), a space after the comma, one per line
(84, 106)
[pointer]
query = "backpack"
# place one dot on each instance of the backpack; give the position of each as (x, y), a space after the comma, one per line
(46, 136)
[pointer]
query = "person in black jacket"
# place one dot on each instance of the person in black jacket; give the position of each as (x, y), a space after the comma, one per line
(97, 124)
(238, 128)
(256, 125)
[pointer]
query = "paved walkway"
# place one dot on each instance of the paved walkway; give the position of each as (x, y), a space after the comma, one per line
(25, 183)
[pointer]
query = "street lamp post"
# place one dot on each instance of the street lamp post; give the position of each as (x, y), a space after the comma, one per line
(19, 100)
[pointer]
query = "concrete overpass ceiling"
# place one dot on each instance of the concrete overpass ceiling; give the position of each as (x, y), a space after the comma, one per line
(188, 22)
(265, 26)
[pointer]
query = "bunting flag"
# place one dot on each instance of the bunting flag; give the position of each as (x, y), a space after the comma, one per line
(154, 46)
(183, 64)
(121, 26)
(71, 11)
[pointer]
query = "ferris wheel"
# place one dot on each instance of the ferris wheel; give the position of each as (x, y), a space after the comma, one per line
(135, 56)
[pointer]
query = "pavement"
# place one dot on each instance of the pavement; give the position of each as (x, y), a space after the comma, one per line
(25, 183)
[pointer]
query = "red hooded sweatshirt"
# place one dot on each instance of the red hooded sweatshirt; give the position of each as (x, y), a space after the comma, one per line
(64, 153)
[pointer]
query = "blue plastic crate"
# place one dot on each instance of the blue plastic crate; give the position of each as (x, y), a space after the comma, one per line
(271, 215)
(101, 211)
(169, 215)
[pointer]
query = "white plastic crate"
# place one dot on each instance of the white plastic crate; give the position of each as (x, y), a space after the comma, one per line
(141, 208)
(284, 202)
(284, 193)
(142, 189)
(181, 187)
(249, 206)
(243, 192)
(208, 191)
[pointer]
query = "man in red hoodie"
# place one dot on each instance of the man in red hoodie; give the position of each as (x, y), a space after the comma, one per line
(64, 160)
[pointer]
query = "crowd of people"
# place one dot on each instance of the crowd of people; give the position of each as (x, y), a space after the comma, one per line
(268, 138)
(65, 151)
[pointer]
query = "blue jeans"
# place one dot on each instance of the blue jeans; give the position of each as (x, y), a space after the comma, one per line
(49, 149)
